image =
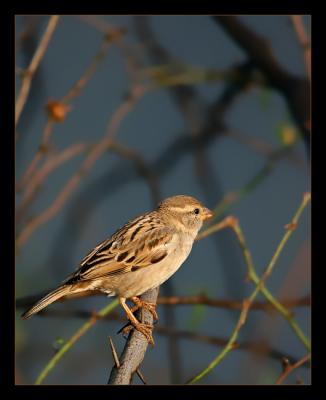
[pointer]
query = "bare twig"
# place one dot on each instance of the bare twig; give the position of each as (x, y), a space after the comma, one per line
(30, 71)
(289, 368)
(225, 223)
(114, 353)
(141, 376)
(135, 348)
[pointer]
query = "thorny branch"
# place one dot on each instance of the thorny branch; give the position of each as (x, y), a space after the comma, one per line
(117, 362)
(135, 348)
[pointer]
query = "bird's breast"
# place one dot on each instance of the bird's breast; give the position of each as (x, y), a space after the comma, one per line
(138, 282)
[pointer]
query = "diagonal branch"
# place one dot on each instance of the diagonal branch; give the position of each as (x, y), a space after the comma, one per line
(288, 367)
(135, 348)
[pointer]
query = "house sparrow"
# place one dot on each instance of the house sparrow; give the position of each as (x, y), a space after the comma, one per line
(140, 256)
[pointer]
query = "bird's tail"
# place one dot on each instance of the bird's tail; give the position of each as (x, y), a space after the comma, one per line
(48, 299)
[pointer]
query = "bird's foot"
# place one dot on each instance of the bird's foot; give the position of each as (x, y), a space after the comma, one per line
(151, 307)
(145, 329)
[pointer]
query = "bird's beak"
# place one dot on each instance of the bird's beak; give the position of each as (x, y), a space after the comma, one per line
(207, 214)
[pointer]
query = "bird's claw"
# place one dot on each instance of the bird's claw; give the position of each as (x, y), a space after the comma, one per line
(145, 329)
(151, 307)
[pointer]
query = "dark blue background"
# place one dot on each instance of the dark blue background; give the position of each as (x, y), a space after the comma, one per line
(101, 204)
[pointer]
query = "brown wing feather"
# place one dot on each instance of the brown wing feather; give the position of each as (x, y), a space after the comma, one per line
(138, 244)
(106, 244)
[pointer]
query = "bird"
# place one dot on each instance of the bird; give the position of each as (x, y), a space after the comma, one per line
(139, 256)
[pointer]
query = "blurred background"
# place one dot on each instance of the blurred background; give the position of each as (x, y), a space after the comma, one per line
(126, 110)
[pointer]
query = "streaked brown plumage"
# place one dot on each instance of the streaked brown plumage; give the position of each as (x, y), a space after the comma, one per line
(140, 256)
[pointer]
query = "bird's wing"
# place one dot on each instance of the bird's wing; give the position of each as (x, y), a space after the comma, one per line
(138, 244)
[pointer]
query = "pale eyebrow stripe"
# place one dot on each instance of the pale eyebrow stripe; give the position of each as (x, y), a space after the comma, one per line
(182, 208)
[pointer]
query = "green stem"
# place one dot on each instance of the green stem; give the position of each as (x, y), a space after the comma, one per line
(254, 277)
(81, 331)
(285, 313)
(260, 286)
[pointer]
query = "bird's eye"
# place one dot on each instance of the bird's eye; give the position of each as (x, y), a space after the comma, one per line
(196, 211)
